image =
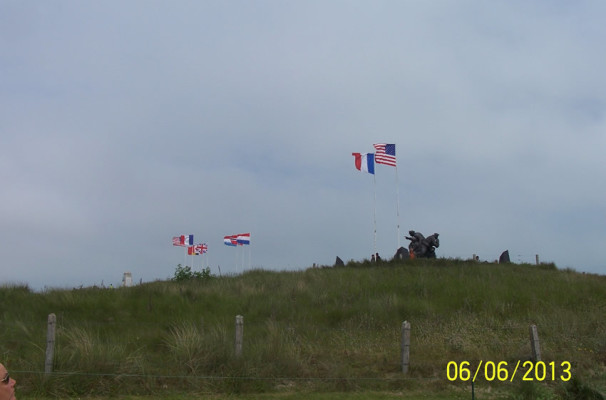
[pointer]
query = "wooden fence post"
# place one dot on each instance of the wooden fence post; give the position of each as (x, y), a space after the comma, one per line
(534, 343)
(405, 346)
(536, 258)
(239, 334)
(50, 343)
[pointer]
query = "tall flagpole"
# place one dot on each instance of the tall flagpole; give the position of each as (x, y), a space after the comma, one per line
(375, 213)
(387, 154)
(398, 204)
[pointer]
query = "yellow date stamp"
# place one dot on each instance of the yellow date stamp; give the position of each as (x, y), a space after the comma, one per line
(502, 371)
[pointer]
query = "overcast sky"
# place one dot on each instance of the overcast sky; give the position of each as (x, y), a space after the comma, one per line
(125, 123)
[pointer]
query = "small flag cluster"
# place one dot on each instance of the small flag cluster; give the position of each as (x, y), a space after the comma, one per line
(384, 154)
(237, 240)
(188, 241)
(201, 248)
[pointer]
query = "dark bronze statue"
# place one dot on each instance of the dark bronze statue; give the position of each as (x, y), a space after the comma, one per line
(421, 246)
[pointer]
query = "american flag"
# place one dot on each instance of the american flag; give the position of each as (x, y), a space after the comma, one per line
(385, 154)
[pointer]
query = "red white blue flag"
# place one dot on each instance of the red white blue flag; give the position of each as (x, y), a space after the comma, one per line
(197, 249)
(385, 154)
(188, 240)
(183, 240)
(243, 238)
(231, 240)
(365, 162)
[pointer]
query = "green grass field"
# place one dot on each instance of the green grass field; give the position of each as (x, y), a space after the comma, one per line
(296, 396)
(322, 333)
(312, 396)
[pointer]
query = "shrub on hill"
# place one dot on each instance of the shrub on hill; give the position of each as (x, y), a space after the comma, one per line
(186, 274)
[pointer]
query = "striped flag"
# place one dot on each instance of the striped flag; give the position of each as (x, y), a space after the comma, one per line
(243, 238)
(365, 162)
(385, 154)
(231, 240)
(188, 240)
(183, 240)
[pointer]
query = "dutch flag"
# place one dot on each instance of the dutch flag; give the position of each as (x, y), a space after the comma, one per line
(243, 238)
(230, 240)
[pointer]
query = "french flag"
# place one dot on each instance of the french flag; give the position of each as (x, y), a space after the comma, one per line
(365, 162)
(183, 240)
(243, 238)
(187, 240)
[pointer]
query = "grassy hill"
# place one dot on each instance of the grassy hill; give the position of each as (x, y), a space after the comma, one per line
(322, 329)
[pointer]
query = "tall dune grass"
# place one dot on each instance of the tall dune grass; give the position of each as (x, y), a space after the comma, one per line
(322, 328)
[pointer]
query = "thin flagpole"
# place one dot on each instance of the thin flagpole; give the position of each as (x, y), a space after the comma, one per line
(398, 204)
(375, 213)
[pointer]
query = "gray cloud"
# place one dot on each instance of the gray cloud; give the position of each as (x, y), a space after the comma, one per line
(123, 125)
